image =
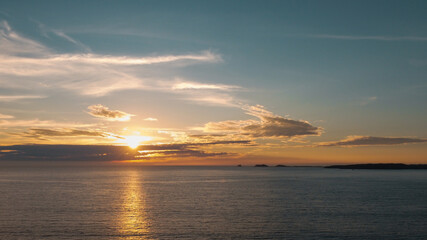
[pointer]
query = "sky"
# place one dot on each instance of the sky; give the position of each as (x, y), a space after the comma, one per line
(214, 82)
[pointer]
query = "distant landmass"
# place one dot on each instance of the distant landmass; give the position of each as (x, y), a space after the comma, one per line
(280, 165)
(380, 166)
(261, 165)
(265, 165)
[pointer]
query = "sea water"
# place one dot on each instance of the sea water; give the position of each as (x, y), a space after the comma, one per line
(133, 202)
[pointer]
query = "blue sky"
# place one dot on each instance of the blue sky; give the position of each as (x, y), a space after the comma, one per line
(348, 68)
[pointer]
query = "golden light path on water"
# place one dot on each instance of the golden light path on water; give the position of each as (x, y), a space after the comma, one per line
(132, 222)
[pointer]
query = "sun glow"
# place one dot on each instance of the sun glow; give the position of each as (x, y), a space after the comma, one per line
(134, 141)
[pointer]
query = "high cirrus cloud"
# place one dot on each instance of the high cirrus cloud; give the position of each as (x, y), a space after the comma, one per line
(11, 98)
(353, 141)
(268, 125)
(186, 85)
(105, 113)
(27, 64)
(370, 37)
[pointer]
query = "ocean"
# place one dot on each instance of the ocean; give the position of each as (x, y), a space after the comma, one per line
(134, 202)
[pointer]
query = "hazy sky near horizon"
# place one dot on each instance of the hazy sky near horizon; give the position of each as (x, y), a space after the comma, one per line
(214, 82)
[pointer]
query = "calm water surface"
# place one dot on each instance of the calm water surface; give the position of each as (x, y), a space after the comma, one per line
(211, 203)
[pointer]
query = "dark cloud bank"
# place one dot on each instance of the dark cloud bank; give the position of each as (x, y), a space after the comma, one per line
(108, 152)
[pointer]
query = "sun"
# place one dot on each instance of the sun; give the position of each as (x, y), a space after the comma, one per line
(134, 141)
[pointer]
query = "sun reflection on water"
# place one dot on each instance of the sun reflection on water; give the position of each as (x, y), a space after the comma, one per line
(133, 222)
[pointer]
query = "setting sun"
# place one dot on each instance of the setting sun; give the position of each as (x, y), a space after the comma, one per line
(134, 141)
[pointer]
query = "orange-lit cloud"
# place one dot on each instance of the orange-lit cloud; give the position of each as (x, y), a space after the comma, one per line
(269, 125)
(105, 113)
(15, 123)
(4, 116)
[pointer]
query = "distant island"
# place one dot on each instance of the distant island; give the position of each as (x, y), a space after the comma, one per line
(261, 165)
(265, 165)
(380, 166)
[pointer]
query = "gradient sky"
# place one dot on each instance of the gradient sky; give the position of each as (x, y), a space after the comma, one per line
(214, 82)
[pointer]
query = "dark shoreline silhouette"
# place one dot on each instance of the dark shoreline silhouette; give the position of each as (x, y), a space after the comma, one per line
(380, 166)
(281, 165)
(265, 165)
(261, 165)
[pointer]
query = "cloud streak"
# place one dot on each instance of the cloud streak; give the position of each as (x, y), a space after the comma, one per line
(39, 123)
(72, 40)
(200, 86)
(39, 132)
(150, 119)
(105, 113)
(11, 98)
(4, 116)
(45, 134)
(89, 58)
(213, 99)
(373, 38)
(354, 141)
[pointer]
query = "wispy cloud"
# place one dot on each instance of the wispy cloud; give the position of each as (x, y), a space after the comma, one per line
(26, 64)
(213, 99)
(105, 113)
(366, 37)
(15, 123)
(10, 98)
(4, 116)
(206, 93)
(368, 100)
(151, 119)
(13, 43)
(182, 85)
(353, 141)
(72, 40)
(89, 58)
(46, 31)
